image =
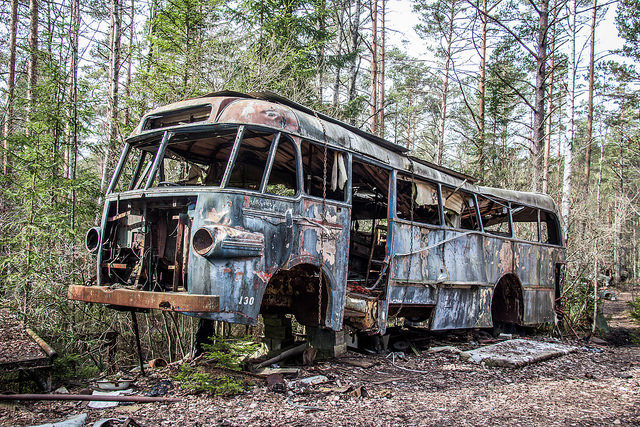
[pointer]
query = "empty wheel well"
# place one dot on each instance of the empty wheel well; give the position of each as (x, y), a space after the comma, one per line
(296, 291)
(507, 305)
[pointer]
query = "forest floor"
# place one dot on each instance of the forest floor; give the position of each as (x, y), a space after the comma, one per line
(598, 384)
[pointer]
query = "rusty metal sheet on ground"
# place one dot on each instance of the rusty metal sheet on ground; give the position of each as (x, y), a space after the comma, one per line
(517, 353)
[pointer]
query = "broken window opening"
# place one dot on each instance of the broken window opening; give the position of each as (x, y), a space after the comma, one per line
(494, 215)
(251, 161)
(314, 173)
(418, 196)
(369, 222)
(196, 158)
(283, 178)
(459, 209)
(549, 228)
(525, 222)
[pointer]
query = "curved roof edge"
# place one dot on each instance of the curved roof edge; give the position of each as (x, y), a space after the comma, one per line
(396, 153)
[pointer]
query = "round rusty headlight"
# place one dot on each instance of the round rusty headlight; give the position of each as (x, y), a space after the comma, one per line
(203, 241)
(92, 240)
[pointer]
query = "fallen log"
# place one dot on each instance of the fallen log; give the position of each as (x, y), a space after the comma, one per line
(284, 355)
(89, 397)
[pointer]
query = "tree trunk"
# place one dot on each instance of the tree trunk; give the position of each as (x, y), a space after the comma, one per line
(355, 39)
(552, 68)
(321, 51)
(540, 92)
(383, 17)
(32, 73)
(7, 130)
(112, 105)
(481, 112)
(589, 136)
(374, 67)
(445, 86)
(127, 88)
(568, 146)
(336, 84)
(72, 122)
(620, 215)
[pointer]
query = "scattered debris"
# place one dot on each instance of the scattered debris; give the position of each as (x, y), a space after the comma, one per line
(309, 381)
(275, 383)
(75, 421)
(445, 348)
(361, 363)
(283, 371)
(160, 389)
(157, 363)
(516, 353)
(109, 422)
(598, 341)
(309, 356)
(89, 397)
(121, 384)
(359, 391)
(99, 404)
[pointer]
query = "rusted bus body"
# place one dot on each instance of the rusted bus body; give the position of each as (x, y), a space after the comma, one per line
(278, 209)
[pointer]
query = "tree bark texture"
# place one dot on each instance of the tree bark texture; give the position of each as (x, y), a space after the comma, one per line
(481, 95)
(565, 204)
(445, 85)
(549, 132)
(589, 136)
(114, 79)
(8, 120)
(355, 43)
(32, 74)
(540, 92)
(374, 67)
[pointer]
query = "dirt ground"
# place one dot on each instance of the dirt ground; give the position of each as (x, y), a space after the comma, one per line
(598, 384)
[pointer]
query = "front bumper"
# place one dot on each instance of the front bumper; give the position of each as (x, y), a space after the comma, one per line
(167, 301)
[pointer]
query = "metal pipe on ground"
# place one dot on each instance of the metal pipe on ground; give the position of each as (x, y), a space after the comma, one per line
(89, 397)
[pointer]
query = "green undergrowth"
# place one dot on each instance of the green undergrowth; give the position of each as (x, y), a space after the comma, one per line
(73, 366)
(634, 310)
(215, 374)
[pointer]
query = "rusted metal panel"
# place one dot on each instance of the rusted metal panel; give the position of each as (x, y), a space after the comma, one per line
(168, 301)
(251, 111)
(241, 281)
(527, 265)
(498, 258)
(463, 308)
(538, 306)
(420, 267)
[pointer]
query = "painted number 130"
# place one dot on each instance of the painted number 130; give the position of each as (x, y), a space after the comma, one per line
(246, 301)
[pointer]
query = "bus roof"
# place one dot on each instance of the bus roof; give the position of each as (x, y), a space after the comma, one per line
(272, 110)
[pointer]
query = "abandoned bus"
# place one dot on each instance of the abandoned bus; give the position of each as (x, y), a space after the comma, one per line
(232, 205)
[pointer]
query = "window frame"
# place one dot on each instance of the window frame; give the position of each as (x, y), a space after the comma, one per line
(413, 180)
(475, 208)
(348, 159)
(273, 151)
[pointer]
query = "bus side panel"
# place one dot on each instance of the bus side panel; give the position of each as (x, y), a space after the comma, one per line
(326, 245)
(498, 258)
(535, 269)
(527, 264)
(538, 306)
(423, 266)
(460, 308)
(238, 281)
(463, 259)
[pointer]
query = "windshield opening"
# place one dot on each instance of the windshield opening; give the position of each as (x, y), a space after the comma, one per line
(200, 158)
